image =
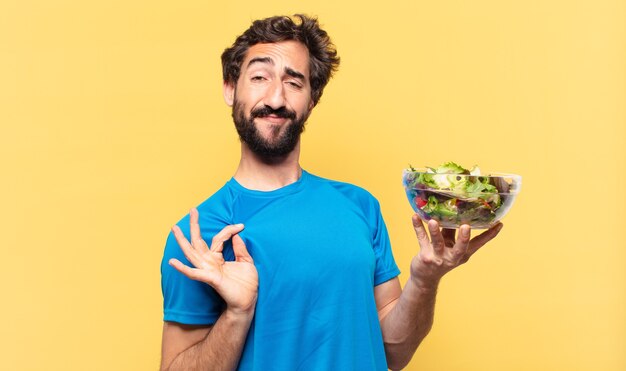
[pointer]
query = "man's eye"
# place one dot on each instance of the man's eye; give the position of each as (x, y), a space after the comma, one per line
(294, 84)
(258, 78)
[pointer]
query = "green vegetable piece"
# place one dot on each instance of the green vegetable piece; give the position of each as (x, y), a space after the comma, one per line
(428, 180)
(452, 168)
(475, 170)
(457, 182)
(443, 211)
(431, 205)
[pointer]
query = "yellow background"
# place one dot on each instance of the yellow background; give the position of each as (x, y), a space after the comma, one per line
(113, 126)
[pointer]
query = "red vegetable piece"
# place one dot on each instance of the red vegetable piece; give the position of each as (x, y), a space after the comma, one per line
(420, 202)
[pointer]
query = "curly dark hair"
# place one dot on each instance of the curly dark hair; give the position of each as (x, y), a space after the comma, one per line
(323, 58)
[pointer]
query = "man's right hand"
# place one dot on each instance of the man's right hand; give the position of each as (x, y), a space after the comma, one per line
(237, 282)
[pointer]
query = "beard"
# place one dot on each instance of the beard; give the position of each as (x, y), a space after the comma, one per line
(280, 143)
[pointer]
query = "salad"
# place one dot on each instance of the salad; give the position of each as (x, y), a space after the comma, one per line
(454, 195)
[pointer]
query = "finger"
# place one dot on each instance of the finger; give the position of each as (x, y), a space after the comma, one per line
(194, 229)
(192, 273)
(190, 253)
(436, 238)
(464, 234)
(240, 250)
(420, 232)
(478, 241)
(448, 236)
(462, 243)
(217, 243)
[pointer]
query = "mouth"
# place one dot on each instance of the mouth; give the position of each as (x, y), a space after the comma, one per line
(278, 116)
(274, 119)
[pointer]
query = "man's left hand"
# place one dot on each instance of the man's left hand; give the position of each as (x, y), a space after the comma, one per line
(441, 253)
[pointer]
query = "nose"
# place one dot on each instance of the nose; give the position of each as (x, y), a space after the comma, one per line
(275, 95)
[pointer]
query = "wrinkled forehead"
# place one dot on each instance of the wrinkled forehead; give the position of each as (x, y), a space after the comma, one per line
(284, 54)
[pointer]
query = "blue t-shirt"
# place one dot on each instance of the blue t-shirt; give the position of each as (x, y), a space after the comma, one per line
(319, 247)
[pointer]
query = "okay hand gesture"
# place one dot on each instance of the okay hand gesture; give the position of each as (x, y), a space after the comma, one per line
(236, 281)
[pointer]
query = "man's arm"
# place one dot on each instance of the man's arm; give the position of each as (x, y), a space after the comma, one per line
(406, 316)
(217, 347)
(405, 321)
(177, 338)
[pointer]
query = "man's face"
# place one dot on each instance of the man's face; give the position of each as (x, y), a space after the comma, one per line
(272, 99)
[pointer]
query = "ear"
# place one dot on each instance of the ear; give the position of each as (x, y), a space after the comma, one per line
(229, 93)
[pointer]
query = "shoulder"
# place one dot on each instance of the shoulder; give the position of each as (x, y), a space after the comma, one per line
(215, 208)
(214, 213)
(353, 192)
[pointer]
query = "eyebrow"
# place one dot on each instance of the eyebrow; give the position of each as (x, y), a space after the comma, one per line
(289, 71)
(261, 60)
(293, 73)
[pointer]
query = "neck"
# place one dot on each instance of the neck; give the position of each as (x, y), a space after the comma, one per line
(267, 174)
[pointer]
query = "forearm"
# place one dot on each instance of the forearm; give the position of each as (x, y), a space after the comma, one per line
(220, 349)
(408, 323)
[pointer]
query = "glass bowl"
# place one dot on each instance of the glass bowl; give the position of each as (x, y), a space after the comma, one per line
(455, 199)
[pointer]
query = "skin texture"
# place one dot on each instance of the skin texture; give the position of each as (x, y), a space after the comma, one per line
(272, 127)
(275, 76)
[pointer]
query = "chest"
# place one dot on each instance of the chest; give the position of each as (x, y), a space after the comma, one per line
(299, 243)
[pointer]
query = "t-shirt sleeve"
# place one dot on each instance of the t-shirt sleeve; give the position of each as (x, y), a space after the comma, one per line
(386, 267)
(184, 300)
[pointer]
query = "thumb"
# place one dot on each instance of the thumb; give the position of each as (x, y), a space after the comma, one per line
(240, 250)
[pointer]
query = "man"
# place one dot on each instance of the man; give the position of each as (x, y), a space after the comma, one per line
(299, 274)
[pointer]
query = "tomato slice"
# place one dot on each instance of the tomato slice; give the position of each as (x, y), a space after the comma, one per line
(420, 202)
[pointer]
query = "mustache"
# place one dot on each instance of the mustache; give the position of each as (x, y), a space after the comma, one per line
(282, 112)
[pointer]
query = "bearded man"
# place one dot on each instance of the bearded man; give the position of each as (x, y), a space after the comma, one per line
(299, 273)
